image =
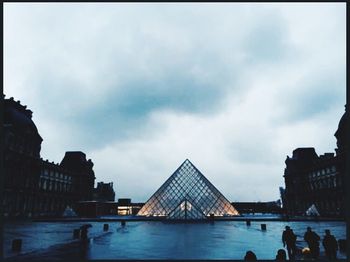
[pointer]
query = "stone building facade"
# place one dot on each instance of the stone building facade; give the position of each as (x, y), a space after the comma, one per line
(35, 187)
(317, 180)
(104, 192)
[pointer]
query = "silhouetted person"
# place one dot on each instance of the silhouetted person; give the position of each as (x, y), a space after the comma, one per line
(250, 256)
(84, 231)
(281, 255)
(312, 239)
(289, 239)
(330, 245)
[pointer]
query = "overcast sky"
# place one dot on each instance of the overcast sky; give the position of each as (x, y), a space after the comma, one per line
(139, 88)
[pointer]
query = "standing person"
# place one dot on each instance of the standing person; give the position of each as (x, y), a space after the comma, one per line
(330, 245)
(312, 239)
(289, 239)
(84, 231)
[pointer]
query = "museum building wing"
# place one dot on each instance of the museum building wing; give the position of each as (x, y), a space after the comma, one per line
(318, 181)
(34, 187)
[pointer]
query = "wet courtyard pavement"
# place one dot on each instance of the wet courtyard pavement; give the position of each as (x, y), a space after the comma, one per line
(158, 240)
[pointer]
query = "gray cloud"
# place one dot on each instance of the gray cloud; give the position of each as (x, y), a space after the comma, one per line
(312, 96)
(139, 88)
(268, 40)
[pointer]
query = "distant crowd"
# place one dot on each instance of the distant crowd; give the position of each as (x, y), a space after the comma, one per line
(329, 243)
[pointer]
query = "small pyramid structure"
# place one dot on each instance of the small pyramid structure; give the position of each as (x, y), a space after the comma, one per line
(187, 194)
(312, 211)
(69, 212)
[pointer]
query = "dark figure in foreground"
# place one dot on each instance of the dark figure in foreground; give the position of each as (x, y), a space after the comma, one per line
(281, 255)
(84, 231)
(289, 239)
(330, 245)
(250, 256)
(312, 239)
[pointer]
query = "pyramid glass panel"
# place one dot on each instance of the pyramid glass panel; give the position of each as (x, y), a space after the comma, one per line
(186, 210)
(187, 194)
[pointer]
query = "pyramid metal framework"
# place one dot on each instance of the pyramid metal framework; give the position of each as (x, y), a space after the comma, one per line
(187, 194)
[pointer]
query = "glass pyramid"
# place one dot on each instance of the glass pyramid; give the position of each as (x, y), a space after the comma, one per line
(187, 194)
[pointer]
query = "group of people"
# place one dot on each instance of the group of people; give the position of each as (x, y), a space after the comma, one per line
(329, 242)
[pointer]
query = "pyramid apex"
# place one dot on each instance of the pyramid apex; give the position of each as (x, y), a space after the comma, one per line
(186, 161)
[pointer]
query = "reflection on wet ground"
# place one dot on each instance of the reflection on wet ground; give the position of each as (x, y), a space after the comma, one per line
(157, 240)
